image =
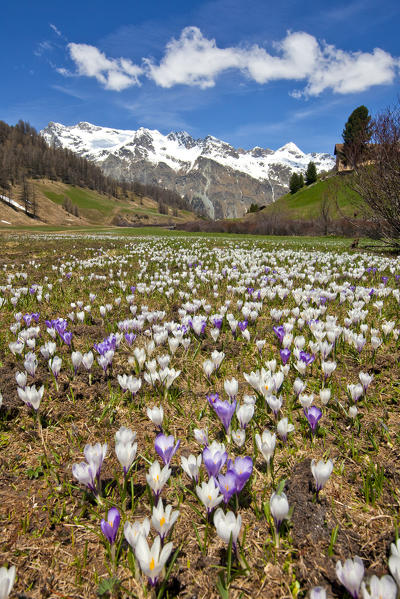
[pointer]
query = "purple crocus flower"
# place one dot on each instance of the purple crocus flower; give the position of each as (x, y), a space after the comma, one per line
(243, 325)
(214, 457)
(28, 319)
(133, 289)
(166, 448)
(109, 527)
(228, 485)
(242, 467)
(217, 322)
(130, 338)
(279, 332)
(385, 280)
(66, 337)
(313, 415)
(285, 355)
(225, 411)
(307, 358)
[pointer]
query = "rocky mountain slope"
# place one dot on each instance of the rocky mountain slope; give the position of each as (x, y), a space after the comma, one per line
(220, 181)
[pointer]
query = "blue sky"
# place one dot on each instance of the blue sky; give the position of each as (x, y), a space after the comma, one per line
(250, 72)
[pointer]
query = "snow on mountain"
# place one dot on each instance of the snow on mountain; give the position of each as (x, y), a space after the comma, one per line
(219, 180)
(178, 149)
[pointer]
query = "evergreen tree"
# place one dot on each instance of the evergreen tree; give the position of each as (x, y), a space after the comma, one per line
(311, 173)
(296, 182)
(356, 135)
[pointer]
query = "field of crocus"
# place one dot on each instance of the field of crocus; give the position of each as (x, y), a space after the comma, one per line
(193, 417)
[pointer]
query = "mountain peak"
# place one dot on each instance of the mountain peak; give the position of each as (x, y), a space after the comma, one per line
(218, 177)
(292, 148)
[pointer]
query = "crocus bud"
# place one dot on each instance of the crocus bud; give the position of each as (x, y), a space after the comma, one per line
(110, 526)
(7, 578)
(321, 471)
(350, 574)
(279, 508)
(156, 415)
(226, 525)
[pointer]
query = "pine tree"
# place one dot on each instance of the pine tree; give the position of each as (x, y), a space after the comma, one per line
(296, 182)
(356, 135)
(311, 173)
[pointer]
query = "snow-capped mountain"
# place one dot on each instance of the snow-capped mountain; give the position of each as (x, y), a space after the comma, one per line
(219, 180)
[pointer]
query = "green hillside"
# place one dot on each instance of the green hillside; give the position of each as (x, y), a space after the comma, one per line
(98, 208)
(307, 202)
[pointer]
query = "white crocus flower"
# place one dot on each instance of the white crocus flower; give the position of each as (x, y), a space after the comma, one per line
(157, 478)
(55, 366)
(238, 437)
(379, 588)
(95, 455)
(162, 519)
(284, 427)
(31, 396)
(133, 385)
(355, 391)
(279, 508)
(191, 465)
(7, 578)
(209, 494)
(350, 574)
(244, 414)
(325, 395)
(152, 560)
(275, 403)
(208, 367)
(226, 525)
(365, 380)
(156, 415)
(353, 411)
(266, 444)
(321, 471)
(126, 454)
(231, 388)
(87, 360)
(328, 368)
(21, 378)
(133, 531)
(306, 400)
(217, 358)
(76, 359)
(394, 566)
(298, 386)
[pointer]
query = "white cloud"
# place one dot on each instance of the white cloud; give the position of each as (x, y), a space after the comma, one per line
(197, 61)
(346, 72)
(193, 60)
(114, 73)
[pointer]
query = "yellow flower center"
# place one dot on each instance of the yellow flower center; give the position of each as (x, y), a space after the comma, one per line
(152, 564)
(227, 487)
(162, 521)
(266, 387)
(209, 498)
